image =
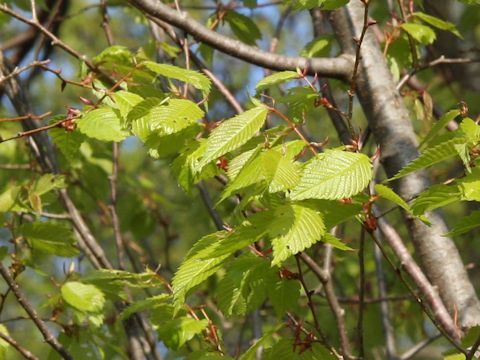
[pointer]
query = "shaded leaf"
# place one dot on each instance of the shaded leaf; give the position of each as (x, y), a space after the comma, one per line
(440, 124)
(243, 27)
(434, 197)
(438, 23)
(466, 224)
(175, 333)
(49, 237)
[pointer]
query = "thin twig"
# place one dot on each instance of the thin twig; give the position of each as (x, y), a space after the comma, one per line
(120, 245)
(439, 61)
(24, 352)
(55, 40)
(19, 70)
(361, 294)
(407, 355)
(47, 334)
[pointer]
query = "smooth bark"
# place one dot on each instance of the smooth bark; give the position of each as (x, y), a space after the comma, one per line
(389, 120)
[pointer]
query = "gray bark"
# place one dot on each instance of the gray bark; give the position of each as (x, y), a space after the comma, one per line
(389, 120)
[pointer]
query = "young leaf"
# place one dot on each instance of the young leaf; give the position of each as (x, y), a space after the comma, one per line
(49, 237)
(434, 197)
(335, 242)
(387, 193)
(125, 101)
(470, 186)
(208, 255)
(83, 297)
(466, 224)
(318, 47)
(438, 23)
(298, 5)
(67, 142)
(294, 228)
(431, 156)
(102, 124)
(243, 27)
(175, 333)
(440, 124)
(233, 133)
(175, 115)
(276, 78)
(422, 33)
(471, 130)
(145, 304)
(198, 80)
(333, 175)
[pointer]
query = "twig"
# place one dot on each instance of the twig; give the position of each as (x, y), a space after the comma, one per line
(19, 70)
(440, 316)
(333, 302)
(47, 335)
(120, 245)
(361, 294)
(417, 347)
(26, 117)
(36, 130)
(473, 349)
(439, 61)
(106, 22)
(24, 352)
(55, 40)
(309, 300)
(358, 57)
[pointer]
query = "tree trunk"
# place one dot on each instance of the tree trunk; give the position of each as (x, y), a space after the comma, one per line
(390, 123)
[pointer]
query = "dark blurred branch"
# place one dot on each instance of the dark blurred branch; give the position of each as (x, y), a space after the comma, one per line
(47, 334)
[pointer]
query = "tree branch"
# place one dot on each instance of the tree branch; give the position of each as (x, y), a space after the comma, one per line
(24, 352)
(340, 67)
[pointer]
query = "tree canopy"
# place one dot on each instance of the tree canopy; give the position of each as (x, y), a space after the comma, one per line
(294, 179)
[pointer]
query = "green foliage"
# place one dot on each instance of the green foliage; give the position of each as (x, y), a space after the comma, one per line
(466, 224)
(102, 124)
(83, 297)
(175, 333)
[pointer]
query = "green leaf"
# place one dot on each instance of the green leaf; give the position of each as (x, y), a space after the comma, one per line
(244, 285)
(434, 197)
(298, 5)
(175, 333)
(196, 79)
(67, 142)
(233, 133)
(431, 156)
(49, 237)
(145, 304)
(335, 242)
(284, 349)
(440, 124)
(174, 116)
(333, 175)
(243, 27)
(47, 183)
(471, 130)
(318, 47)
(102, 124)
(387, 193)
(294, 228)
(422, 33)
(470, 186)
(126, 101)
(83, 297)
(284, 295)
(209, 253)
(276, 78)
(438, 23)
(466, 224)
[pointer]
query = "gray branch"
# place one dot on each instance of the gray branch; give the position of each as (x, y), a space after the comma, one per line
(340, 67)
